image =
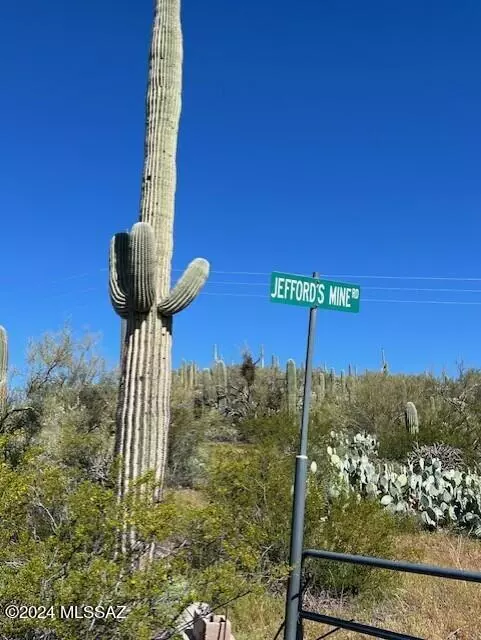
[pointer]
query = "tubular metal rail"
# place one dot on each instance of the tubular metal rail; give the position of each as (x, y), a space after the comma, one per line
(406, 567)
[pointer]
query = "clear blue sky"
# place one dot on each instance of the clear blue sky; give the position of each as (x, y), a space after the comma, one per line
(342, 136)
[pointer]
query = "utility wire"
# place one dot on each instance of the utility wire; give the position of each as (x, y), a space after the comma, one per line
(266, 273)
(264, 284)
(258, 295)
(368, 300)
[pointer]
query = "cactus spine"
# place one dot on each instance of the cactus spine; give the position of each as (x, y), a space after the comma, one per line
(411, 418)
(3, 369)
(140, 270)
(291, 382)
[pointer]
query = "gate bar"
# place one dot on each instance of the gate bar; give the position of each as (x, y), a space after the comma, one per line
(396, 565)
(375, 632)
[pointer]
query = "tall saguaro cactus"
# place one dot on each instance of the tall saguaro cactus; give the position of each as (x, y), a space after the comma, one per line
(3, 368)
(140, 269)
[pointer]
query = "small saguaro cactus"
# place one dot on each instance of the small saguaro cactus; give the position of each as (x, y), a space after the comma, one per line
(3, 368)
(411, 418)
(319, 388)
(275, 363)
(384, 365)
(342, 382)
(220, 374)
(291, 383)
(208, 388)
(332, 382)
(350, 387)
(191, 375)
(220, 380)
(262, 357)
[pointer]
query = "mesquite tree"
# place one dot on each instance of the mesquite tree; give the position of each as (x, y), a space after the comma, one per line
(140, 269)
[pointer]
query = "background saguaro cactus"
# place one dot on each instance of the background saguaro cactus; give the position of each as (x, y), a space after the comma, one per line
(291, 382)
(3, 368)
(411, 418)
(140, 269)
(384, 364)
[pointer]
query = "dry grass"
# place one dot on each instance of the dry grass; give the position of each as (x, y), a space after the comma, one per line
(431, 608)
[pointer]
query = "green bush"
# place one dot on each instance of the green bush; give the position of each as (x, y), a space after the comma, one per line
(359, 528)
(250, 489)
(279, 430)
(184, 459)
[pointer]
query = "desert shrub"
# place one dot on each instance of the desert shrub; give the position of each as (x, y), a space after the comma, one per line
(58, 534)
(395, 443)
(184, 459)
(450, 457)
(216, 427)
(66, 405)
(360, 527)
(250, 488)
(279, 429)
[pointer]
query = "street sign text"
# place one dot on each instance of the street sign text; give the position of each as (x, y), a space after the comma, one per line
(310, 292)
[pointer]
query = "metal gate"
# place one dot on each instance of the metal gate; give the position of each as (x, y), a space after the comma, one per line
(406, 567)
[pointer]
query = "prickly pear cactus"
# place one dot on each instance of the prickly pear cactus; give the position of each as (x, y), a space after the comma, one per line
(440, 496)
(3, 369)
(140, 270)
(291, 383)
(411, 418)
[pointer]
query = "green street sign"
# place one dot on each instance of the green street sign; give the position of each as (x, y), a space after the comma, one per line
(311, 292)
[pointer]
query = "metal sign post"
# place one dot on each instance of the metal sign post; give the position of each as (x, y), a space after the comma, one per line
(298, 509)
(302, 291)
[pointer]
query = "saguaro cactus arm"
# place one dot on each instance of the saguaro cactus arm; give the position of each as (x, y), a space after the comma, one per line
(186, 289)
(132, 270)
(142, 267)
(119, 248)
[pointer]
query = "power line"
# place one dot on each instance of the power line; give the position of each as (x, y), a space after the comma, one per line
(361, 277)
(267, 273)
(263, 284)
(258, 295)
